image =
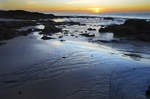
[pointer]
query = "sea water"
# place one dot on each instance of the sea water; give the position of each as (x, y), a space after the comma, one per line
(137, 14)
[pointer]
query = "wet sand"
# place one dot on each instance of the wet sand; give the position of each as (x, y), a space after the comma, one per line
(76, 68)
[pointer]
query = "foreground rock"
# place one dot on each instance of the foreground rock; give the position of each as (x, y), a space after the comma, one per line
(9, 30)
(2, 43)
(147, 93)
(132, 28)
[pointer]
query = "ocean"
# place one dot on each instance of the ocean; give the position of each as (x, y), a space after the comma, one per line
(138, 15)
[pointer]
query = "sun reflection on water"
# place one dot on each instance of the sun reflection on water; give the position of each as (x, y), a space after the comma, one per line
(56, 43)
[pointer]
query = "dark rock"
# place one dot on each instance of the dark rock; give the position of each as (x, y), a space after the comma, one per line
(9, 30)
(108, 18)
(62, 40)
(91, 29)
(64, 57)
(136, 28)
(88, 35)
(133, 55)
(60, 37)
(47, 38)
(102, 26)
(147, 93)
(82, 24)
(104, 41)
(26, 15)
(2, 43)
(72, 34)
(51, 29)
(65, 31)
(76, 36)
(37, 29)
(67, 23)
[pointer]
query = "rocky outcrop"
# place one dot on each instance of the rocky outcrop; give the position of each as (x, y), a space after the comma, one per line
(50, 28)
(9, 30)
(135, 28)
(26, 15)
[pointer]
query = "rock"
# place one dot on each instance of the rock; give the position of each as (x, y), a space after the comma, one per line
(10, 30)
(76, 36)
(147, 93)
(65, 31)
(82, 24)
(133, 55)
(132, 28)
(91, 29)
(64, 57)
(62, 40)
(108, 18)
(26, 15)
(67, 23)
(51, 29)
(104, 41)
(60, 37)
(47, 38)
(37, 29)
(72, 34)
(88, 35)
(2, 43)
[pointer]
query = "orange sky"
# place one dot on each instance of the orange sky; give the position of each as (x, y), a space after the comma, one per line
(77, 5)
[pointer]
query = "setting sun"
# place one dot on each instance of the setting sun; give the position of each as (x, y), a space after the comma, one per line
(95, 6)
(96, 10)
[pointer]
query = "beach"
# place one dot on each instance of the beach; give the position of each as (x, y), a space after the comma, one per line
(75, 62)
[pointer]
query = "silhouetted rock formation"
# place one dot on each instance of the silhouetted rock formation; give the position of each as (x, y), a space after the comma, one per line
(21, 14)
(136, 28)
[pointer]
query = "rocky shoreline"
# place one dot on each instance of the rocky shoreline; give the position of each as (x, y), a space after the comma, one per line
(132, 28)
(10, 29)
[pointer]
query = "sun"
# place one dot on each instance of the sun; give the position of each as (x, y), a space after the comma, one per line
(96, 10)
